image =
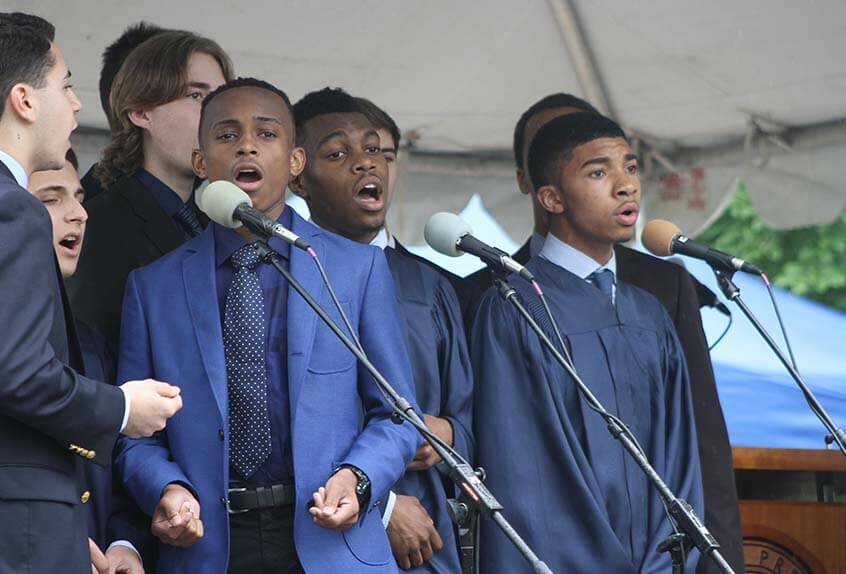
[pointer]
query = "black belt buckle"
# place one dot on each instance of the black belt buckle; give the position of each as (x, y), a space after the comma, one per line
(229, 508)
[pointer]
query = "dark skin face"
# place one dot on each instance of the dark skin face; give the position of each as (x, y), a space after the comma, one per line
(345, 181)
(247, 137)
(596, 201)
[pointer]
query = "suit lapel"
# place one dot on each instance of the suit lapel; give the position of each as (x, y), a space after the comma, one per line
(157, 226)
(302, 320)
(200, 288)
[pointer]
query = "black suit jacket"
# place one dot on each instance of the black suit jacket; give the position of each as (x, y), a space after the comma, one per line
(674, 287)
(126, 229)
(51, 417)
(91, 184)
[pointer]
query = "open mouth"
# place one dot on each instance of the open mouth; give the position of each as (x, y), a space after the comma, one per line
(71, 241)
(248, 178)
(628, 214)
(370, 196)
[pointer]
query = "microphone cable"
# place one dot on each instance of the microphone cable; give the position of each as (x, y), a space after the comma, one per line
(780, 322)
(723, 334)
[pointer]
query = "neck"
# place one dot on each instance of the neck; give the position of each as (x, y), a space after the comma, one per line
(14, 144)
(181, 183)
(364, 237)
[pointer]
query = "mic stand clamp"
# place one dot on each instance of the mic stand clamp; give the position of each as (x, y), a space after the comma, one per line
(462, 474)
(732, 292)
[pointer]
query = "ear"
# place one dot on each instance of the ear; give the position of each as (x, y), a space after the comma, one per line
(140, 118)
(298, 161)
(198, 162)
(23, 102)
(551, 199)
(523, 182)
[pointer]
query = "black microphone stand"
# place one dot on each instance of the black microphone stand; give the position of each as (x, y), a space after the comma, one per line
(732, 292)
(693, 531)
(462, 474)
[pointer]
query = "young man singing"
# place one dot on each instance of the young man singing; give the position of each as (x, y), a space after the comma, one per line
(351, 146)
(281, 415)
(567, 485)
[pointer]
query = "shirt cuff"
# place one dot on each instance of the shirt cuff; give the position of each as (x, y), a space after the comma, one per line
(127, 404)
(389, 508)
(125, 544)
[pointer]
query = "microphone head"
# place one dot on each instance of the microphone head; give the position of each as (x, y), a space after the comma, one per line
(444, 230)
(658, 236)
(220, 199)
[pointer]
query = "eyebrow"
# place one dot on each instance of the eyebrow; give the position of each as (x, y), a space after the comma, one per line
(201, 85)
(270, 119)
(225, 122)
(331, 135)
(342, 133)
(54, 187)
(605, 160)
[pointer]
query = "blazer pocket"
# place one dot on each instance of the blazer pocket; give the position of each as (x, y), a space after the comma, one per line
(329, 355)
(25, 482)
(368, 541)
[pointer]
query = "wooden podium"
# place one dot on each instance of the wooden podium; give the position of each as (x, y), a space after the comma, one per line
(793, 510)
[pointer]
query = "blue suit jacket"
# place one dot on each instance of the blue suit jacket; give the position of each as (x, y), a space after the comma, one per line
(172, 331)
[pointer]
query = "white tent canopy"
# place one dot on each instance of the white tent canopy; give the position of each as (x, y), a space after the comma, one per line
(717, 90)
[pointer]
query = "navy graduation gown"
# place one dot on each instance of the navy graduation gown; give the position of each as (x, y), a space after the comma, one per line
(443, 382)
(567, 486)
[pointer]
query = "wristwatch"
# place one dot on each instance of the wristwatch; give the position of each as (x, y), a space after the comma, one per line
(362, 487)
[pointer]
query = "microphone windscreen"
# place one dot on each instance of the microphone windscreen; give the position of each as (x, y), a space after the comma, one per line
(220, 199)
(444, 230)
(658, 237)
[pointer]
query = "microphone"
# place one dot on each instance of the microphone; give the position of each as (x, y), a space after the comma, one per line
(449, 234)
(228, 205)
(664, 238)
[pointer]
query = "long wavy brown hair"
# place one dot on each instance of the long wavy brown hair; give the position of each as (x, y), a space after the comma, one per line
(153, 74)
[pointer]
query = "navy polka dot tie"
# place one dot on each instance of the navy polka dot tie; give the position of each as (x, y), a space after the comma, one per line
(243, 341)
(603, 279)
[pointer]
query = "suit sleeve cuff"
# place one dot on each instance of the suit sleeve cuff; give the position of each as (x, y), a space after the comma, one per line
(126, 408)
(389, 508)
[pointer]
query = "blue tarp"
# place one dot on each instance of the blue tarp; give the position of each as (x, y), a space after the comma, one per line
(762, 405)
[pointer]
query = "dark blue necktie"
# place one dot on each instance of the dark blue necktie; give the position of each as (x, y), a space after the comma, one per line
(187, 218)
(244, 341)
(603, 279)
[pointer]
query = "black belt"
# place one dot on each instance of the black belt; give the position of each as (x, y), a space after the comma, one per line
(245, 499)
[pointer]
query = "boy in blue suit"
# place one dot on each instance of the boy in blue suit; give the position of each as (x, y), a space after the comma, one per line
(229, 483)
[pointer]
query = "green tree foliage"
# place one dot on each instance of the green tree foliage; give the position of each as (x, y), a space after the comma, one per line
(809, 261)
